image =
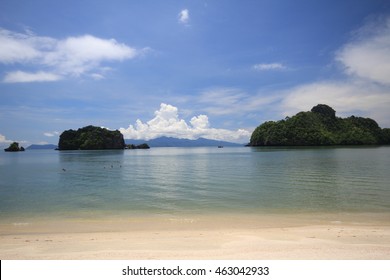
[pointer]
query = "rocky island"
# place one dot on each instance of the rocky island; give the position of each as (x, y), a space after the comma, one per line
(320, 127)
(91, 138)
(14, 147)
(136, 147)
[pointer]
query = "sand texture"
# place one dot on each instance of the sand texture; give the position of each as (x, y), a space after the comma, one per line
(309, 236)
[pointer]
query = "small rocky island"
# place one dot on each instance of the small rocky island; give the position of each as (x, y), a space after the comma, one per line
(135, 147)
(14, 147)
(320, 127)
(91, 138)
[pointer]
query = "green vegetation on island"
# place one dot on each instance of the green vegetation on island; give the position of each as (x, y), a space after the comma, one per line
(91, 138)
(14, 147)
(320, 127)
(134, 147)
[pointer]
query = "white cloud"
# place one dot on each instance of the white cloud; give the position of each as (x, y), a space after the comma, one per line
(346, 97)
(366, 89)
(200, 122)
(72, 56)
(184, 16)
(269, 66)
(167, 122)
(4, 140)
(25, 77)
(96, 76)
(77, 55)
(51, 134)
(368, 57)
(19, 48)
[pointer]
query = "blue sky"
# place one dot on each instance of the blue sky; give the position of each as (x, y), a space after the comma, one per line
(188, 69)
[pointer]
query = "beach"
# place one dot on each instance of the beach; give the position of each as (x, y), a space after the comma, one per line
(196, 203)
(312, 236)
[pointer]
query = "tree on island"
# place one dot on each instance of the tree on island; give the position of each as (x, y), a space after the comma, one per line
(14, 147)
(91, 138)
(135, 147)
(319, 127)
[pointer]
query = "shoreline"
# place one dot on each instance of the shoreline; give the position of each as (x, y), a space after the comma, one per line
(214, 236)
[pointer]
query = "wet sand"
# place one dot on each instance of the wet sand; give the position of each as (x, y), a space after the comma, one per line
(265, 236)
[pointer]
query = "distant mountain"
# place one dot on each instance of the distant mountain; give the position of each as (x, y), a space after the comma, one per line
(176, 142)
(42, 147)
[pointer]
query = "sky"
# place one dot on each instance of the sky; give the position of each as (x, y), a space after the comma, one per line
(187, 69)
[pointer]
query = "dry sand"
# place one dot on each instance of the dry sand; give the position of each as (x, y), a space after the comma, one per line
(271, 236)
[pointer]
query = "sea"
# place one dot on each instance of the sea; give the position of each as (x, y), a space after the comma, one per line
(202, 180)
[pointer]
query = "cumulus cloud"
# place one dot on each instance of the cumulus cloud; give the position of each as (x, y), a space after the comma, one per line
(72, 56)
(4, 140)
(269, 66)
(184, 16)
(166, 122)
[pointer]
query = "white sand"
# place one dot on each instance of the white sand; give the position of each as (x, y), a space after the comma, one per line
(300, 236)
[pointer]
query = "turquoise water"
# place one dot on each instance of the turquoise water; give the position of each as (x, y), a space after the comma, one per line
(194, 180)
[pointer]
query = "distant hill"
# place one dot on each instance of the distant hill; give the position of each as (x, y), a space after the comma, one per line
(42, 147)
(320, 127)
(176, 142)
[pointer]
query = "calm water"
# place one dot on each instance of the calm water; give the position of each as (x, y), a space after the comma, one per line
(194, 180)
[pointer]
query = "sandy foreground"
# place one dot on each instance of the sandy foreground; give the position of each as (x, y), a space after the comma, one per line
(271, 236)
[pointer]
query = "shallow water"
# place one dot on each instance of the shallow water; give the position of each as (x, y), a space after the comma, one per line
(163, 181)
